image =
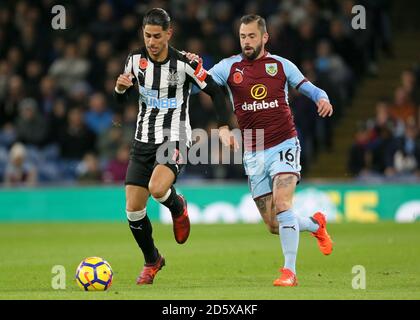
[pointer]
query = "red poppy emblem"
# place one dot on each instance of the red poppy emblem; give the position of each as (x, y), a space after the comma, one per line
(143, 63)
(237, 77)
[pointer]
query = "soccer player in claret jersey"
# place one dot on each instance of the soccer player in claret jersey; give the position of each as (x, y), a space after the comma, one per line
(257, 83)
(164, 77)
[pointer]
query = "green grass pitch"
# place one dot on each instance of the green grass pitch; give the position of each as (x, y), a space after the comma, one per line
(217, 262)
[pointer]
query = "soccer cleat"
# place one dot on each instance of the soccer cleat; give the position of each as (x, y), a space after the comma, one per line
(181, 224)
(149, 271)
(325, 243)
(287, 279)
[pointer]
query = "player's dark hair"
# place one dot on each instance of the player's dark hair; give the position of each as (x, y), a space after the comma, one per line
(247, 19)
(157, 17)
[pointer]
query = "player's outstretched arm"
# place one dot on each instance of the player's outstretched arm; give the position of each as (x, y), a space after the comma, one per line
(298, 81)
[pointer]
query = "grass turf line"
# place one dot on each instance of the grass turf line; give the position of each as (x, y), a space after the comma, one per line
(218, 262)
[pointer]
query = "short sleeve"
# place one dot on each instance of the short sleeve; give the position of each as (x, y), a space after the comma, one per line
(220, 72)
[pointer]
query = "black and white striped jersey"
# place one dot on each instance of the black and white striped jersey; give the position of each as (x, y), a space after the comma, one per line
(164, 89)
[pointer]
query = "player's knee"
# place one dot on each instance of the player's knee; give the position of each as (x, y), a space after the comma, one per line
(157, 190)
(134, 206)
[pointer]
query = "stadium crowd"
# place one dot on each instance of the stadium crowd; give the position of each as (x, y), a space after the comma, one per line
(388, 146)
(60, 123)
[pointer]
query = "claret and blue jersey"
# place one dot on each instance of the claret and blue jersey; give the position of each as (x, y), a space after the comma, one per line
(258, 90)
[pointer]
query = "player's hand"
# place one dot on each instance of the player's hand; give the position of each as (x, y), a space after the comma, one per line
(124, 81)
(324, 108)
(228, 139)
(192, 56)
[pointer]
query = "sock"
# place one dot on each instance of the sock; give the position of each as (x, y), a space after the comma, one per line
(172, 202)
(141, 228)
(308, 224)
(289, 238)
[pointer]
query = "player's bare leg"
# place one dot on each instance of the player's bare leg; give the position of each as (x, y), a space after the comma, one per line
(136, 200)
(161, 188)
(267, 211)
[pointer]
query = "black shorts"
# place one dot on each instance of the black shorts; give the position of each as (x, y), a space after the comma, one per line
(144, 157)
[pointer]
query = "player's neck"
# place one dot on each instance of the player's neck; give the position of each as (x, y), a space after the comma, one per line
(163, 55)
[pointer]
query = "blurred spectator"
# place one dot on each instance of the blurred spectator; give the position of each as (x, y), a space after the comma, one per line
(19, 172)
(76, 139)
(359, 161)
(5, 74)
(9, 107)
(380, 136)
(109, 141)
(403, 156)
(103, 27)
(48, 94)
(117, 167)
(402, 109)
(411, 86)
(88, 171)
(31, 127)
(390, 145)
(70, 68)
(129, 122)
(33, 75)
(344, 46)
(333, 67)
(103, 53)
(57, 120)
(7, 135)
(79, 93)
(306, 45)
(98, 119)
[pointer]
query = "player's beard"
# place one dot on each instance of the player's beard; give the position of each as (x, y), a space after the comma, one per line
(255, 52)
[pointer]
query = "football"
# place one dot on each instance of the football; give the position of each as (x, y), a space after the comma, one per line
(94, 274)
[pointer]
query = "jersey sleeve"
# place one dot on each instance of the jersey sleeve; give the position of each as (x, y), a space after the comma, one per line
(128, 67)
(197, 72)
(220, 72)
(295, 78)
(122, 96)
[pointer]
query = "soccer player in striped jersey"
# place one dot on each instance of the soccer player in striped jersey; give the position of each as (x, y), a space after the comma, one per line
(257, 82)
(164, 78)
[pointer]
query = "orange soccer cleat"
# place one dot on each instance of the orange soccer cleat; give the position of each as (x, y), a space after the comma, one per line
(149, 271)
(287, 279)
(181, 224)
(325, 243)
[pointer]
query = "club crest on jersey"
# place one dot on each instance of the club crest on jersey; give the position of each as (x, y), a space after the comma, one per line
(172, 78)
(271, 69)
